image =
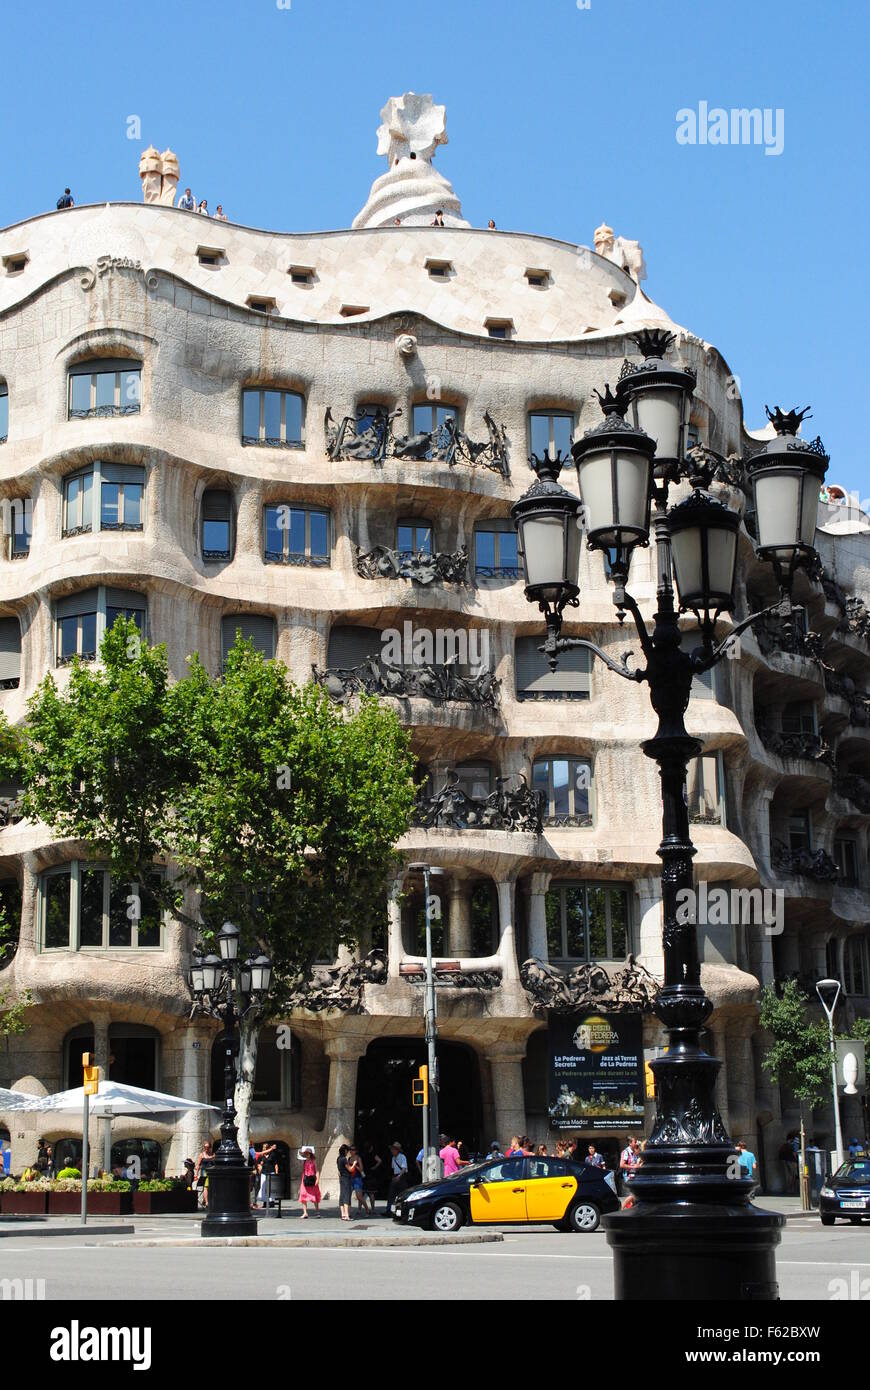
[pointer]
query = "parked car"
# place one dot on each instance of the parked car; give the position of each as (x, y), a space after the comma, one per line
(512, 1191)
(847, 1193)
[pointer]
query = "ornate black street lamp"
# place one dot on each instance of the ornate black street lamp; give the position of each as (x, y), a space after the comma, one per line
(693, 1234)
(227, 988)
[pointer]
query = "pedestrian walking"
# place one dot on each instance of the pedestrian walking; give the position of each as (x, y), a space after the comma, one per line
(267, 1165)
(65, 200)
(356, 1169)
(748, 1161)
(187, 202)
(344, 1183)
(398, 1175)
(374, 1173)
(593, 1158)
(309, 1187)
(203, 1160)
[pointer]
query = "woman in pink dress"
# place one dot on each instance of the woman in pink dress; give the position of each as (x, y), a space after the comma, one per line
(309, 1187)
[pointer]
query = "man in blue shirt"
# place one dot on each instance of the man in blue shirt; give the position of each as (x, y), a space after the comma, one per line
(187, 202)
(748, 1163)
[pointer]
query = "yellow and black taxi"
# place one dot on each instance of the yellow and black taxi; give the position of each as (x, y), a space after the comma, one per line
(510, 1191)
(847, 1194)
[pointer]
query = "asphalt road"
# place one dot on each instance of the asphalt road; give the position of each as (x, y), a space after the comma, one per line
(532, 1263)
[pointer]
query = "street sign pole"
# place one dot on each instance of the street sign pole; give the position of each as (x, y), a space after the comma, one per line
(431, 1121)
(85, 1157)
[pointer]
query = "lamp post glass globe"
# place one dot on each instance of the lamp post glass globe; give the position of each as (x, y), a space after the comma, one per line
(212, 972)
(786, 476)
(704, 552)
(228, 941)
(196, 980)
(657, 394)
(614, 474)
(261, 974)
(547, 519)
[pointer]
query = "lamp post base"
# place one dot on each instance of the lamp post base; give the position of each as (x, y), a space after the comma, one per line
(229, 1202)
(694, 1252)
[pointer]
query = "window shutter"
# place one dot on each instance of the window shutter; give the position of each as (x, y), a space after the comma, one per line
(125, 598)
(496, 523)
(217, 505)
(74, 604)
(105, 364)
(254, 627)
(10, 649)
(533, 675)
(122, 473)
(349, 646)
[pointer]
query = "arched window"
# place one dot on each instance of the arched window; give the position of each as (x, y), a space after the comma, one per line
(10, 653)
(279, 1066)
(105, 386)
(273, 418)
(218, 528)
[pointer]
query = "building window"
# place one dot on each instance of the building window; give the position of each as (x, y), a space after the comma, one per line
(83, 619)
(537, 277)
(301, 274)
(475, 779)
(846, 859)
(832, 958)
(414, 538)
(499, 328)
(350, 311)
(430, 417)
(495, 550)
(218, 539)
(254, 627)
(350, 646)
(210, 255)
(855, 965)
(4, 412)
(21, 524)
(535, 680)
(799, 717)
(10, 653)
(550, 432)
(16, 262)
(799, 831)
(439, 270)
(484, 920)
(277, 1074)
(82, 909)
(703, 684)
(588, 921)
(704, 784)
(262, 303)
(295, 536)
(105, 387)
(103, 497)
(273, 418)
(567, 787)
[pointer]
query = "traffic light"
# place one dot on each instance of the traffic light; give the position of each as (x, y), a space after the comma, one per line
(420, 1087)
(91, 1073)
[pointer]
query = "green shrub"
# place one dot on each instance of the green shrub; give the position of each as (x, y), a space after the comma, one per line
(69, 1173)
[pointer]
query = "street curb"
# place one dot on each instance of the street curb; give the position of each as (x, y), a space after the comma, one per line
(69, 1231)
(336, 1242)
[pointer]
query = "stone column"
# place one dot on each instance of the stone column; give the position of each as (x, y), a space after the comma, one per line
(648, 933)
(395, 944)
(538, 885)
(193, 1082)
(507, 944)
(509, 1101)
(718, 1036)
(344, 1052)
(97, 1129)
(741, 1081)
(459, 919)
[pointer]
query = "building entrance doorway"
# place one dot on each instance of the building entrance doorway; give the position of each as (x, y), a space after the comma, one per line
(383, 1096)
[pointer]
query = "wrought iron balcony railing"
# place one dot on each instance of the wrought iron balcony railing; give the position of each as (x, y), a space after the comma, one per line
(450, 567)
(506, 808)
(811, 747)
(370, 435)
(807, 863)
(854, 788)
(440, 683)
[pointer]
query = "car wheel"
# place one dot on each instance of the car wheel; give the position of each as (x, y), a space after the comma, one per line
(827, 1220)
(446, 1218)
(584, 1218)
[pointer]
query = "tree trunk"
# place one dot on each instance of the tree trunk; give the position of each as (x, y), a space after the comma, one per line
(249, 1038)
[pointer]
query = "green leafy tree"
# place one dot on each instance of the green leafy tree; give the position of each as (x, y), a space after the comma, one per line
(279, 807)
(799, 1056)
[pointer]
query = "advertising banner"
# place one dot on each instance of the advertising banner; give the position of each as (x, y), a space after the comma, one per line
(596, 1077)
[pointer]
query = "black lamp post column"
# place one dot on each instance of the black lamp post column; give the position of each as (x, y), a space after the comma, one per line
(227, 989)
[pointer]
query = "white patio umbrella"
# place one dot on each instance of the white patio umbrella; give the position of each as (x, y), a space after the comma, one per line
(19, 1100)
(114, 1099)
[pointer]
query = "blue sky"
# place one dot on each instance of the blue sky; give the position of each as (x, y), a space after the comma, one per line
(558, 118)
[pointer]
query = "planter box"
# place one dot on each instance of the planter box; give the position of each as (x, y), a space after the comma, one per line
(24, 1203)
(164, 1203)
(99, 1203)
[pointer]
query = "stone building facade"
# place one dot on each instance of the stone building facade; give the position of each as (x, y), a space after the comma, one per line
(168, 384)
